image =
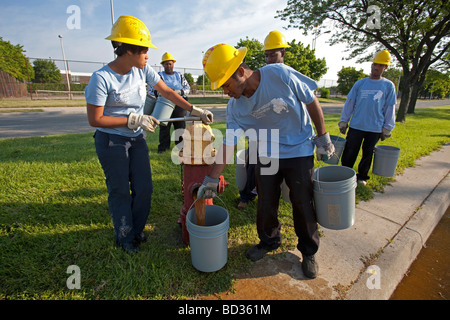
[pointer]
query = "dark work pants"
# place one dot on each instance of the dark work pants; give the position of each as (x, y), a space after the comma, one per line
(126, 164)
(354, 140)
(248, 193)
(298, 174)
(164, 131)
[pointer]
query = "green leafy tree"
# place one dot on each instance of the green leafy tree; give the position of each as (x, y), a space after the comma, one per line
(347, 77)
(303, 59)
(14, 62)
(255, 55)
(416, 32)
(189, 78)
(46, 71)
(436, 84)
(298, 56)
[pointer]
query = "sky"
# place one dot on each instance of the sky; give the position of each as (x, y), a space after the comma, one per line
(185, 28)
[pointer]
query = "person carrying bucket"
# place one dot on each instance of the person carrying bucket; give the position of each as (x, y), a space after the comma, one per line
(115, 99)
(176, 81)
(275, 45)
(279, 99)
(371, 107)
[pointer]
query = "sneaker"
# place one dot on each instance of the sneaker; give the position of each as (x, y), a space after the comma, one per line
(242, 205)
(362, 182)
(256, 253)
(310, 267)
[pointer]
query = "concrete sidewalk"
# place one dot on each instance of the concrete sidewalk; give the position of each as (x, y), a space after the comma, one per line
(369, 259)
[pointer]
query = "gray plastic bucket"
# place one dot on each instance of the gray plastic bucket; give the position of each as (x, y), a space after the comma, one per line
(149, 105)
(241, 171)
(385, 160)
(163, 109)
(339, 144)
(209, 243)
(334, 196)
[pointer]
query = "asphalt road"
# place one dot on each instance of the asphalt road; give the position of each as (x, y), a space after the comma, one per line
(62, 120)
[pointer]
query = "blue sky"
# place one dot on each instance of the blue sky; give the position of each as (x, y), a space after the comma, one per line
(183, 28)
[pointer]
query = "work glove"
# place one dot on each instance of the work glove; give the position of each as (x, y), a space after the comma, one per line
(205, 115)
(385, 134)
(208, 189)
(325, 149)
(343, 127)
(148, 123)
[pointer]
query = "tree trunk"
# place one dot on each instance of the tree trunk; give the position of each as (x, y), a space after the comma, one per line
(415, 93)
(405, 89)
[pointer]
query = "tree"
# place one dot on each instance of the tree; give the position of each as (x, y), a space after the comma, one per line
(299, 57)
(347, 77)
(255, 55)
(189, 78)
(46, 71)
(416, 32)
(14, 62)
(436, 84)
(303, 59)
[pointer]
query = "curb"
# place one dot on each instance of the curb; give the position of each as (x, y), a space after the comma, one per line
(398, 255)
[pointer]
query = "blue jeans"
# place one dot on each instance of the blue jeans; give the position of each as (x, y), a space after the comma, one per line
(126, 164)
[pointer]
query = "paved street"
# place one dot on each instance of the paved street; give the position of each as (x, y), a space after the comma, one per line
(61, 120)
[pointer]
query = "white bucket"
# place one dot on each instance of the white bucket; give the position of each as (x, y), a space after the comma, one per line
(163, 109)
(339, 144)
(385, 160)
(334, 196)
(209, 243)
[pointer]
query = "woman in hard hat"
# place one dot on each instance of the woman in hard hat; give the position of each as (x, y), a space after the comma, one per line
(115, 99)
(371, 106)
(277, 104)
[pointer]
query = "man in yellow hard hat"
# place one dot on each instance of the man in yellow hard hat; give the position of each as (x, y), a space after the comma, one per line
(115, 99)
(274, 47)
(371, 107)
(274, 106)
(176, 81)
(274, 50)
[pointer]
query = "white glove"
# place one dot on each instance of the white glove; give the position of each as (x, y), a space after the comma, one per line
(325, 149)
(208, 189)
(205, 115)
(343, 127)
(385, 134)
(148, 123)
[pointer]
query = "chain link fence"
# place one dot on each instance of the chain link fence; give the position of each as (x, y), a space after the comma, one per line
(75, 75)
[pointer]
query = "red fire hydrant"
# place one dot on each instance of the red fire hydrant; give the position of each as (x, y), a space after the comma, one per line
(196, 159)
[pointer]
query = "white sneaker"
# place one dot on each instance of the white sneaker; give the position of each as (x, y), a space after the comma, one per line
(362, 182)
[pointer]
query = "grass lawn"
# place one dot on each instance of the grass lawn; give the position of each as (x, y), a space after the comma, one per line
(54, 214)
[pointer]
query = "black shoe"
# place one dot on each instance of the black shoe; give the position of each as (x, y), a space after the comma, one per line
(140, 238)
(127, 247)
(257, 252)
(310, 267)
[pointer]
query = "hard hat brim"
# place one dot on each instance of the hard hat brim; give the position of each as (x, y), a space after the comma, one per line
(146, 44)
(280, 46)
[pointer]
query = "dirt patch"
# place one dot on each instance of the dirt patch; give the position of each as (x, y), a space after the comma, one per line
(276, 277)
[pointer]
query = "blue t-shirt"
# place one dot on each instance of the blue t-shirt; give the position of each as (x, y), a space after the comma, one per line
(120, 94)
(275, 115)
(372, 103)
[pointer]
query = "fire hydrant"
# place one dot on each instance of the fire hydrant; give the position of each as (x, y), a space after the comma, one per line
(196, 158)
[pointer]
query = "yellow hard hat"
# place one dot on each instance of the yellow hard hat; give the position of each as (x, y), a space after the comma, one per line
(382, 57)
(167, 57)
(275, 40)
(131, 30)
(221, 61)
